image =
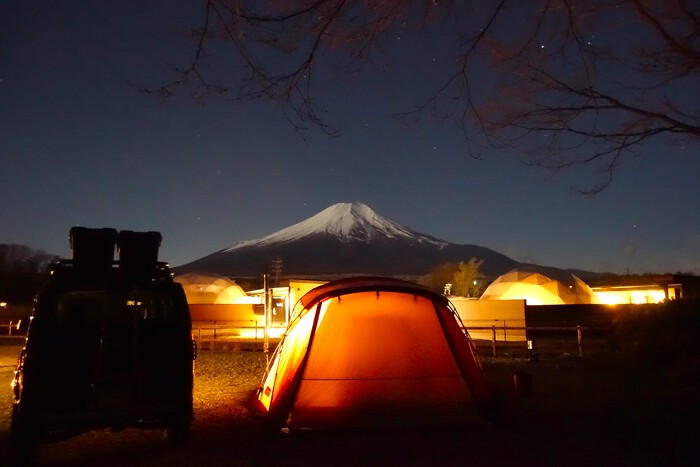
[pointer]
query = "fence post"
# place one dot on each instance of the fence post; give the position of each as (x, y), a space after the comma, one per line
(532, 347)
(579, 338)
(494, 340)
(255, 324)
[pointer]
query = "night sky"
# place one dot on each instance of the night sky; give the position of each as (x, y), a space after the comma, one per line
(79, 145)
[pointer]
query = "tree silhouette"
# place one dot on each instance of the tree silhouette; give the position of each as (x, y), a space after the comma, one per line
(466, 278)
(438, 276)
(22, 270)
(21, 259)
(568, 82)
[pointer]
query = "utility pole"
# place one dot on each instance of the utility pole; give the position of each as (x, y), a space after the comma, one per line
(267, 302)
(276, 270)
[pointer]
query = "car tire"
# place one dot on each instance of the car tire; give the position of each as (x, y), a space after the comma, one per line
(23, 439)
(178, 429)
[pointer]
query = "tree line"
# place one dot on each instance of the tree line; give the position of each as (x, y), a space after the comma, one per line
(22, 270)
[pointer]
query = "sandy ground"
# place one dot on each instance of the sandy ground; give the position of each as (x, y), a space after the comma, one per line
(582, 411)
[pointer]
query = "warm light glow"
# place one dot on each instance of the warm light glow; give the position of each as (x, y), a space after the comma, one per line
(629, 295)
(362, 358)
(538, 289)
(533, 294)
(287, 357)
(253, 333)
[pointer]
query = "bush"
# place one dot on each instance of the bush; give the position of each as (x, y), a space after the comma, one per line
(660, 334)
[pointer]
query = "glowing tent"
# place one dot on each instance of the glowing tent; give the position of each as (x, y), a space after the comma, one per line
(213, 289)
(538, 289)
(373, 352)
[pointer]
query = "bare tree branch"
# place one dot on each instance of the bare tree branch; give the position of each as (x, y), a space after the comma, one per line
(567, 82)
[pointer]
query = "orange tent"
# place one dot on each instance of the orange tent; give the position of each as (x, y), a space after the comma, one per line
(373, 352)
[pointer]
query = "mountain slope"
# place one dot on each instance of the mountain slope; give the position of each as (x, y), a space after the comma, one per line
(346, 222)
(345, 239)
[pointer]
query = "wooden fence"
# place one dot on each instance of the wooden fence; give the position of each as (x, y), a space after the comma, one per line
(12, 329)
(493, 340)
(234, 335)
(540, 340)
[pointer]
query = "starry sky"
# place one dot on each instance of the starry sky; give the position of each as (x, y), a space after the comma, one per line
(80, 145)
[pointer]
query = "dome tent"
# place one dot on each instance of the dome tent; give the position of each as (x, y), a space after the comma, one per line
(538, 289)
(373, 352)
(210, 289)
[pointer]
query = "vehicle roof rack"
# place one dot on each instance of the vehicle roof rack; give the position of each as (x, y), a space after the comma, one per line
(94, 249)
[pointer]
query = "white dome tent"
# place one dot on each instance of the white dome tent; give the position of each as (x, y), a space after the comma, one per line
(211, 289)
(538, 289)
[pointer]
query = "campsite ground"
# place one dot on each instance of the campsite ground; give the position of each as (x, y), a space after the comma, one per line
(595, 410)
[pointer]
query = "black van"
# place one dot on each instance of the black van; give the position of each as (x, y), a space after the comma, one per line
(109, 345)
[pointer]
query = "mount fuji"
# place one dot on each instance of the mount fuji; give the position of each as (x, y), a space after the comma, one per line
(342, 240)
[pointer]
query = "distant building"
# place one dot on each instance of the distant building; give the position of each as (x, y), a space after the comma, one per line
(646, 289)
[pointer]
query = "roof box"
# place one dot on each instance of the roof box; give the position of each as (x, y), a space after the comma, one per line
(93, 249)
(138, 251)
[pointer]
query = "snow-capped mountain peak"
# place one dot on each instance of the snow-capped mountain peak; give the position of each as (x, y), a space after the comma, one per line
(347, 222)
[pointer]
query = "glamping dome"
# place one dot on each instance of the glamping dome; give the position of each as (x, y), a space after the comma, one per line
(537, 289)
(203, 288)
